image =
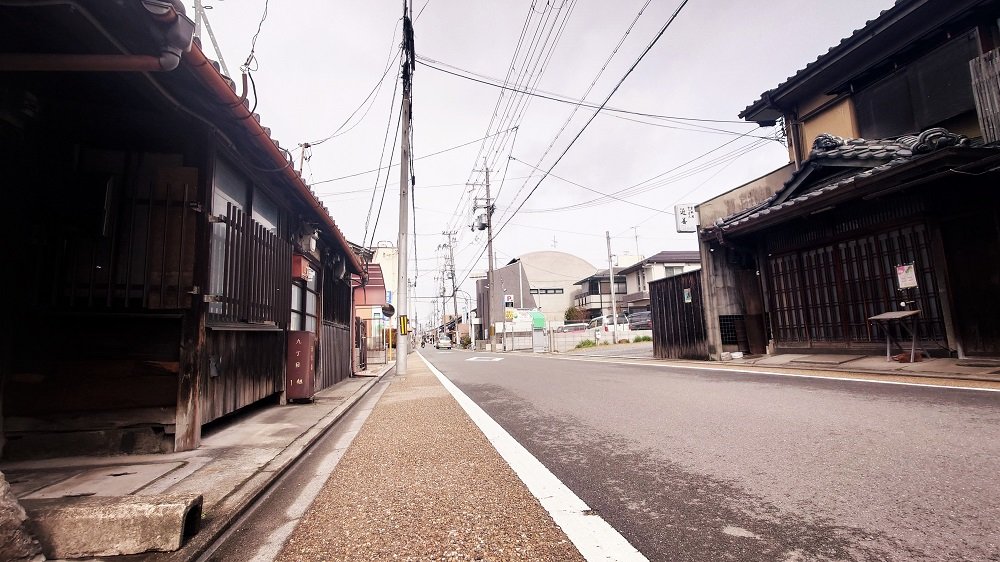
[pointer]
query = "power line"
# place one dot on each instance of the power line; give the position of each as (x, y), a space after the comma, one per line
(376, 88)
(385, 141)
(552, 96)
(592, 117)
(380, 168)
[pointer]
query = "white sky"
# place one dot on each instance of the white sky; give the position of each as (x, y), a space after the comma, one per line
(317, 61)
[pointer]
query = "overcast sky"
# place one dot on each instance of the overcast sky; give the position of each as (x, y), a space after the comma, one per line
(318, 60)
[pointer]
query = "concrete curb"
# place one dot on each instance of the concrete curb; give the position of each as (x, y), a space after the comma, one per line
(237, 502)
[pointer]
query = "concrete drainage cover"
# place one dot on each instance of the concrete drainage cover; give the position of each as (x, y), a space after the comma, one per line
(106, 481)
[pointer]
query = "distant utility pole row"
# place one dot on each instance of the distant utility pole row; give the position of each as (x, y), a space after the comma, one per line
(448, 271)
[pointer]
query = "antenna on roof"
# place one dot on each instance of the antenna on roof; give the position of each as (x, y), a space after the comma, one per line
(201, 15)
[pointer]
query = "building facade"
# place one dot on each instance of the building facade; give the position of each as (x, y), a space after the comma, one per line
(887, 204)
(162, 253)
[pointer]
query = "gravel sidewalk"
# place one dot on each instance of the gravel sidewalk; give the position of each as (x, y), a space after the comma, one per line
(421, 482)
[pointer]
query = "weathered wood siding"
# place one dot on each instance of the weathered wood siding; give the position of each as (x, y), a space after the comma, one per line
(243, 367)
(678, 326)
(335, 355)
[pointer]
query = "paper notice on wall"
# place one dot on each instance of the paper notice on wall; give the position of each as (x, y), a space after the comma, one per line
(906, 276)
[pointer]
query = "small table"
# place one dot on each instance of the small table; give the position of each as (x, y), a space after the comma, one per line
(886, 318)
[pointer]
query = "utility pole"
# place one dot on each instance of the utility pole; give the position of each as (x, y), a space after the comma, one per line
(488, 206)
(409, 63)
(451, 262)
(614, 309)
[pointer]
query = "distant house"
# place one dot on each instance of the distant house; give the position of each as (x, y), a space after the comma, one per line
(161, 252)
(594, 295)
(543, 280)
(889, 203)
(658, 266)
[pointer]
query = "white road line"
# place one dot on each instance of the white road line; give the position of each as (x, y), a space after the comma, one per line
(780, 374)
(591, 534)
(485, 359)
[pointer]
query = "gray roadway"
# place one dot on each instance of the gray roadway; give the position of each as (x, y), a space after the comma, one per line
(715, 465)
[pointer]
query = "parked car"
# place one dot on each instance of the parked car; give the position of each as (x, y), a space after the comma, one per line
(443, 343)
(605, 323)
(572, 327)
(642, 320)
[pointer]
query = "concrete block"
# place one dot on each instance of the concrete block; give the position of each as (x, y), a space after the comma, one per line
(77, 527)
(16, 543)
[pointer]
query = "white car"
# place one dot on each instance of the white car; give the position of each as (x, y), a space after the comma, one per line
(443, 343)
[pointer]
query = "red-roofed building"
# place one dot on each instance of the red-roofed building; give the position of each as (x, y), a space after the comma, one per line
(160, 248)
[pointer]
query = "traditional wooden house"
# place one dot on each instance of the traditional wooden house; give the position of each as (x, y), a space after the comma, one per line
(889, 204)
(159, 246)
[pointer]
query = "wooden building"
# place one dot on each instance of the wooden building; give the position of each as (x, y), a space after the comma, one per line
(159, 246)
(889, 203)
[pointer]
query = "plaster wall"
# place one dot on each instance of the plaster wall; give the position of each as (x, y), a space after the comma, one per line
(743, 197)
(838, 119)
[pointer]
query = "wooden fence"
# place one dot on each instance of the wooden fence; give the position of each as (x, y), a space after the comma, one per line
(986, 89)
(256, 272)
(678, 317)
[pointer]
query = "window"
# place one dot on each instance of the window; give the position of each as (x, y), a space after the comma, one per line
(546, 291)
(265, 211)
(928, 91)
(249, 260)
(727, 327)
(305, 296)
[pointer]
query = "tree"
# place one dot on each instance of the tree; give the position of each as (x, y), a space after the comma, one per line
(575, 314)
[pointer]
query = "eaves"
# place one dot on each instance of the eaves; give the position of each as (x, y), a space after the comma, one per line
(874, 182)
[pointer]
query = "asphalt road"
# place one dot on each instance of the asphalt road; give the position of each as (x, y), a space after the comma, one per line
(717, 465)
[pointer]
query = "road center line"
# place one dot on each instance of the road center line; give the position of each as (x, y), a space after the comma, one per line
(592, 535)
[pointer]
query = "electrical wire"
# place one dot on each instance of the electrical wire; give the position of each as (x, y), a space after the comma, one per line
(592, 117)
(621, 81)
(385, 141)
(561, 98)
(380, 168)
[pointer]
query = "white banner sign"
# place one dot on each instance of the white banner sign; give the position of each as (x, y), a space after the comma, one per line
(686, 218)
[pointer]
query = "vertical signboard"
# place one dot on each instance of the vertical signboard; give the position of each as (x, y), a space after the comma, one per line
(686, 218)
(300, 370)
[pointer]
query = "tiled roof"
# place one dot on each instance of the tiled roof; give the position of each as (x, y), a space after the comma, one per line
(879, 37)
(667, 256)
(843, 42)
(674, 257)
(885, 154)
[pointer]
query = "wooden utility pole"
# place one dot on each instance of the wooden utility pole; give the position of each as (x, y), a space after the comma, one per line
(402, 289)
(451, 262)
(614, 309)
(488, 207)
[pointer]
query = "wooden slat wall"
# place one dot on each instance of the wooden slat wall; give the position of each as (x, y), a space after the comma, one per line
(986, 89)
(335, 355)
(678, 327)
(243, 367)
(140, 254)
(257, 274)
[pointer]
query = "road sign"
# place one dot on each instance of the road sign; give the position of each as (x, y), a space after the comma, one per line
(508, 298)
(404, 325)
